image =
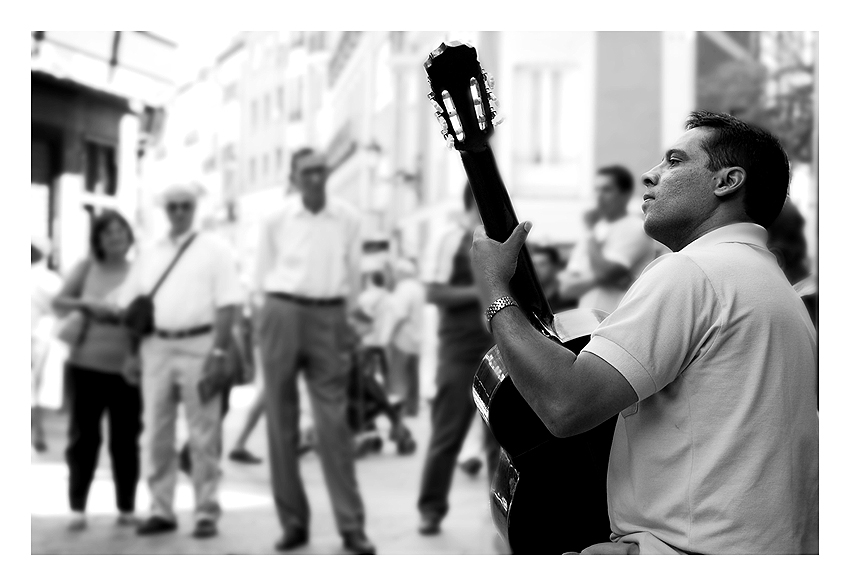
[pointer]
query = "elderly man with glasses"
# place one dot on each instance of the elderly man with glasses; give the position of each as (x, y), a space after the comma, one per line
(183, 358)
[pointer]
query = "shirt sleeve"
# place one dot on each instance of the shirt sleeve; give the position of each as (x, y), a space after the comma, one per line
(437, 267)
(666, 319)
(627, 244)
(227, 289)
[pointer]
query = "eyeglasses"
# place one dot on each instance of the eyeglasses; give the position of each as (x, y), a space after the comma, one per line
(186, 206)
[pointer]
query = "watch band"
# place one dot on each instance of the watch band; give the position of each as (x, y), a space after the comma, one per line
(497, 306)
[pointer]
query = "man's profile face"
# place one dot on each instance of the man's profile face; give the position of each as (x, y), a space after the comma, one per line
(309, 174)
(610, 200)
(679, 191)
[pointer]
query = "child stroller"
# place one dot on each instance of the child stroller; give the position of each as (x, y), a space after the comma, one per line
(367, 399)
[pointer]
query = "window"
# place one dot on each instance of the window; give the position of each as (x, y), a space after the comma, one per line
(265, 165)
(542, 127)
(267, 107)
(296, 90)
(278, 159)
(191, 138)
(101, 170)
(278, 108)
(316, 42)
(230, 92)
(252, 171)
(209, 164)
(255, 114)
(228, 153)
(297, 38)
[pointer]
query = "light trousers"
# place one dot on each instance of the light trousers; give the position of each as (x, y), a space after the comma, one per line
(171, 370)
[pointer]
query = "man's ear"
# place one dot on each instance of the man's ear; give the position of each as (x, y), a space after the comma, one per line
(729, 181)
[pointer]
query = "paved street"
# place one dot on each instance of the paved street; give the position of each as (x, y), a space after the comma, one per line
(389, 484)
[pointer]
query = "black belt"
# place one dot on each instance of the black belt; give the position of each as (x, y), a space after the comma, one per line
(180, 334)
(308, 300)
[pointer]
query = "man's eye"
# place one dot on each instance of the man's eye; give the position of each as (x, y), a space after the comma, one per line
(674, 162)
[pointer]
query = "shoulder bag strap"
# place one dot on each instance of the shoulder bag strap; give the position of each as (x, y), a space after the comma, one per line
(173, 262)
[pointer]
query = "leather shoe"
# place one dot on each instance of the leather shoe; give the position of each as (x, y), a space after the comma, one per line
(356, 542)
(429, 525)
(292, 539)
(155, 525)
(205, 528)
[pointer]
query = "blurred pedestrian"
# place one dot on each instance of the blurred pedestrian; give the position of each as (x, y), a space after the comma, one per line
(192, 280)
(240, 452)
(547, 265)
(463, 341)
(44, 284)
(99, 345)
(308, 268)
(607, 260)
(371, 310)
(400, 332)
(787, 241)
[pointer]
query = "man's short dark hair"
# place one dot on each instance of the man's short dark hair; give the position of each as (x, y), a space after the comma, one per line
(302, 152)
(377, 278)
(787, 234)
(468, 198)
(733, 142)
(100, 224)
(622, 177)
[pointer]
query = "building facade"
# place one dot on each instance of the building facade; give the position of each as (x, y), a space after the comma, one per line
(95, 98)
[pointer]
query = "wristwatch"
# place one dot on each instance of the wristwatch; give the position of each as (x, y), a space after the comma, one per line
(497, 306)
(218, 353)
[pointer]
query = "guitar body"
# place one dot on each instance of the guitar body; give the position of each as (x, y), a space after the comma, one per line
(549, 494)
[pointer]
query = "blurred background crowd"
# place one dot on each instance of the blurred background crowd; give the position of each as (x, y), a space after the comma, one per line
(120, 117)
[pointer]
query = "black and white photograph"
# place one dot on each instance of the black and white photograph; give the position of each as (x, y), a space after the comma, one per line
(424, 293)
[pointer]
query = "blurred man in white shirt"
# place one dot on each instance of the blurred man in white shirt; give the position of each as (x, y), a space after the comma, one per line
(615, 249)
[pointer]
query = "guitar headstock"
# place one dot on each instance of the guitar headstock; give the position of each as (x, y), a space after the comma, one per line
(462, 95)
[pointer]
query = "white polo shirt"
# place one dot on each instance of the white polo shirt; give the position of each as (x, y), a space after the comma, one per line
(203, 280)
(720, 454)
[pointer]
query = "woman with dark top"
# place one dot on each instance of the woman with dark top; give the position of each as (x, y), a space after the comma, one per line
(95, 380)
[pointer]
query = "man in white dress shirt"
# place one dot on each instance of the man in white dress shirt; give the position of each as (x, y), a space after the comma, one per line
(308, 270)
(184, 359)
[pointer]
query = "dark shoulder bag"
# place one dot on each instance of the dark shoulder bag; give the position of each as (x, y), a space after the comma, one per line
(138, 317)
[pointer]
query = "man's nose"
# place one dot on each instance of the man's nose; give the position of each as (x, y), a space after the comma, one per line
(650, 177)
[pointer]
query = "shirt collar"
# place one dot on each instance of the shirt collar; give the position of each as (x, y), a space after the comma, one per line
(743, 232)
(167, 239)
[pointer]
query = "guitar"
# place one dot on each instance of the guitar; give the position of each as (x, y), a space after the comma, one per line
(548, 495)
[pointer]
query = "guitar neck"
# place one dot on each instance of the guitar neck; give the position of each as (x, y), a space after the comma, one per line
(499, 219)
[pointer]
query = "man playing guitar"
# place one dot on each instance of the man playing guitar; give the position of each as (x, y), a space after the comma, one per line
(709, 360)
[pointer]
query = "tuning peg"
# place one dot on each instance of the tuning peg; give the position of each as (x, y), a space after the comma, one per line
(450, 142)
(499, 121)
